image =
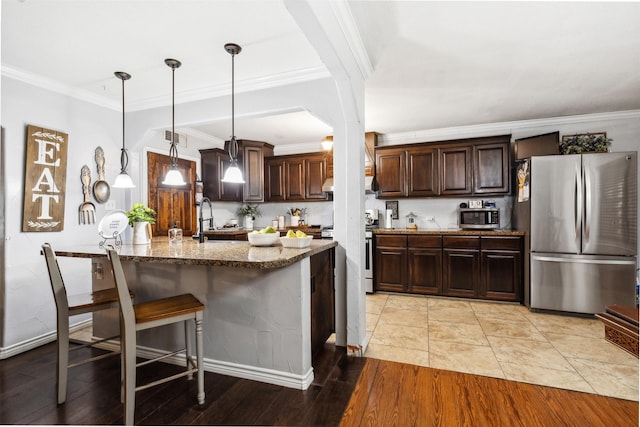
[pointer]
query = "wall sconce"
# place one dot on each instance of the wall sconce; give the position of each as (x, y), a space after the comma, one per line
(327, 143)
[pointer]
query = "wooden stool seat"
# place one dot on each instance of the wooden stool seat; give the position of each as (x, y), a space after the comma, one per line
(621, 327)
(79, 303)
(166, 308)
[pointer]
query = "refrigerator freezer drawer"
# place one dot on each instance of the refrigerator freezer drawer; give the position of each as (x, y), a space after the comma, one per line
(581, 284)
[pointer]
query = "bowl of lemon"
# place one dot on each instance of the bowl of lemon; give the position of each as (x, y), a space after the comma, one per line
(264, 237)
(296, 239)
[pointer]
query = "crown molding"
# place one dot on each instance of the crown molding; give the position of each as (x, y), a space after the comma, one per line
(499, 128)
(275, 80)
(350, 30)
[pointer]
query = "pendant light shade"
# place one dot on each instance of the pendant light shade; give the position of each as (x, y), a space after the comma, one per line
(123, 180)
(233, 173)
(173, 176)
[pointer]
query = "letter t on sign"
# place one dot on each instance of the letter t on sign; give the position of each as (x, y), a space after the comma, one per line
(45, 178)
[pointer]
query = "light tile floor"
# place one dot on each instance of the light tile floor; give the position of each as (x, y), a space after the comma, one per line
(499, 340)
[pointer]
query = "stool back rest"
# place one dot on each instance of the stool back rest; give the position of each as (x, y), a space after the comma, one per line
(126, 305)
(57, 284)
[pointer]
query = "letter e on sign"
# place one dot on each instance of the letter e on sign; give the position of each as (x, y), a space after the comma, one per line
(45, 176)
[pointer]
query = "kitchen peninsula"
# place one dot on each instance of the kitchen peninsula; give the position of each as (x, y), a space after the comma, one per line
(267, 308)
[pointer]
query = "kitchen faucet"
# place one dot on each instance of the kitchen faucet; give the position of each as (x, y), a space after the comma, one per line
(201, 220)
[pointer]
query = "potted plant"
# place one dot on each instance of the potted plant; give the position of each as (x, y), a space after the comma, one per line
(141, 218)
(249, 213)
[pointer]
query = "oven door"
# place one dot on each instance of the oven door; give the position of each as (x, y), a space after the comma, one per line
(368, 262)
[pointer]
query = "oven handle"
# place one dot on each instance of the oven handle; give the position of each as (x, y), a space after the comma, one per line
(367, 254)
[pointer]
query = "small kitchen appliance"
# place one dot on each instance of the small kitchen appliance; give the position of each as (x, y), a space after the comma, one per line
(479, 219)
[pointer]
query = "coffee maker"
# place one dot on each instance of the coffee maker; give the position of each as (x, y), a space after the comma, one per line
(371, 218)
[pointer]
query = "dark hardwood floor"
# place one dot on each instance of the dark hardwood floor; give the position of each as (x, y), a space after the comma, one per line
(368, 392)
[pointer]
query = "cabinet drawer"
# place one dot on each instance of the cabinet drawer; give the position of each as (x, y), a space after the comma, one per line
(501, 243)
(391, 241)
(425, 241)
(461, 242)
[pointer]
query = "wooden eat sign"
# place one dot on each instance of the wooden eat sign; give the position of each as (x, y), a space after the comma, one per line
(45, 177)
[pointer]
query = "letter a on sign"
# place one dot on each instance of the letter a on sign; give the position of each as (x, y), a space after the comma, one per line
(45, 177)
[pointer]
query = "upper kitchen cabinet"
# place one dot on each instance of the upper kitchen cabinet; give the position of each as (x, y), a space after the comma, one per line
(370, 143)
(296, 177)
(214, 162)
(251, 155)
(477, 166)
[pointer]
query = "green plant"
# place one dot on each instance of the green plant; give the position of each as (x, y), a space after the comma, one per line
(248, 210)
(584, 143)
(140, 213)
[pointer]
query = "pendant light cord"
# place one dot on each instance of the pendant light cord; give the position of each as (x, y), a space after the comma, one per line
(173, 151)
(124, 157)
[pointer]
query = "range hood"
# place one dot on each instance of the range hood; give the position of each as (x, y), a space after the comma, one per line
(327, 187)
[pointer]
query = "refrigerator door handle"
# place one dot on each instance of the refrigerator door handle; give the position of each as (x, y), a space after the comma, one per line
(577, 198)
(587, 206)
(630, 261)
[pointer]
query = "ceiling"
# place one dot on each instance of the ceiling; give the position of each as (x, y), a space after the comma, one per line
(430, 65)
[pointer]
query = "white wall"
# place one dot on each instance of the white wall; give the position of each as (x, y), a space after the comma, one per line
(28, 301)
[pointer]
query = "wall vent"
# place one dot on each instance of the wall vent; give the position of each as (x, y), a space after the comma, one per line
(180, 139)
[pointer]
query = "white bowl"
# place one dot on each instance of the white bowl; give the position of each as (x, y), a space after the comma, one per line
(296, 242)
(260, 239)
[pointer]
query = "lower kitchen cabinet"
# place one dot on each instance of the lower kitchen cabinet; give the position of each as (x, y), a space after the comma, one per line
(391, 263)
(468, 266)
(502, 268)
(461, 266)
(425, 259)
(322, 299)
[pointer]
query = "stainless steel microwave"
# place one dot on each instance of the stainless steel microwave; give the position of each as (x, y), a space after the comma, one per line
(479, 219)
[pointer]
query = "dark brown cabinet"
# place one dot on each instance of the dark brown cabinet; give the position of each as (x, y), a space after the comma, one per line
(295, 177)
(461, 266)
(491, 168)
(425, 261)
(501, 268)
(391, 263)
(468, 266)
(476, 166)
(214, 163)
(322, 299)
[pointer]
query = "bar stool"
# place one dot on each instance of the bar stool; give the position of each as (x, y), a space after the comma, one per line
(67, 306)
(151, 314)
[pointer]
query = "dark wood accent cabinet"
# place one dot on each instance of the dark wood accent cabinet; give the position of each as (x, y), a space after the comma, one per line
(214, 162)
(468, 266)
(461, 266)
(370, 142)
(253, 155)
(502, 274)
(467, 167)
(296, 177)
(425, 261)
(455, 170)
(391, 263)
(390, 172)
(491, 168)
(322, 299)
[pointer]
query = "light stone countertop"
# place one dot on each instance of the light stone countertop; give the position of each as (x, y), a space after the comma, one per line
(215, 253)
(449, 231)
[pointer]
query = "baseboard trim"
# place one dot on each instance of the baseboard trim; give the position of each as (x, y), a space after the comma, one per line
(30, 344)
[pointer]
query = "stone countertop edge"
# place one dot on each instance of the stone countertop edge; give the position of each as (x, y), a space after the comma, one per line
(450, 232)
(238, 254)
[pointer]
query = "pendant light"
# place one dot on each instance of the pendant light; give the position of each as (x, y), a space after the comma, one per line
(123, 180)
(173, 176)
(233, 173)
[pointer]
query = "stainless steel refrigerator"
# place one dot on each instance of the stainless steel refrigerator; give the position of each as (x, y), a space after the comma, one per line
(583, 231)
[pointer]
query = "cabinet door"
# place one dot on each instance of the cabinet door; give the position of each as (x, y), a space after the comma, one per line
(370, 142)
(315, 175)
(455, 170)
(491, 168)
(275, 180)
(322, 300)
(461, 272)
(390, 263)
(422, 172)
(501, 275)
(390, 172)
(425, 271)
(210, 176)
(294, 179)
(228, 191)
(253, 165)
